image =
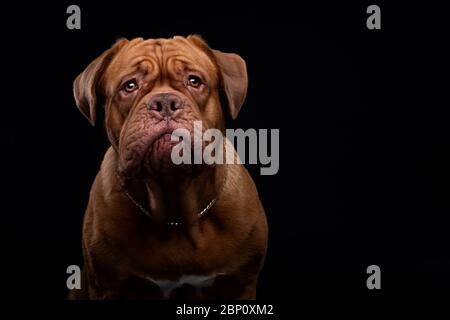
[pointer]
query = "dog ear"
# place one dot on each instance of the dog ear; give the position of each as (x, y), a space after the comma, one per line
(85, 86)
(234, 79)
(233, 72)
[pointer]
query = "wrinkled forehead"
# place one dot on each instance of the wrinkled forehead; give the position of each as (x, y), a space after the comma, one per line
(156, 56)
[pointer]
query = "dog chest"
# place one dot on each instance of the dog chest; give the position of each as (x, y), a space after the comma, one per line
(194, 283)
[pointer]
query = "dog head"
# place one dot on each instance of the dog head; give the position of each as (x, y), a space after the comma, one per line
(151, 87)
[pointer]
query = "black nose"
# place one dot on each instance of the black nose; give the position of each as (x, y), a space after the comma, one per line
(165, 103)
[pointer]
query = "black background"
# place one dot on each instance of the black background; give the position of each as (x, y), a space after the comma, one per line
(364, 129)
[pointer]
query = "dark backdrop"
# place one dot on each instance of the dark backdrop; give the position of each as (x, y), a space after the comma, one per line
(364, 128)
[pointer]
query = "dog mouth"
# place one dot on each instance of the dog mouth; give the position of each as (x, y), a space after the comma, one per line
(159, 155)
(150, 151)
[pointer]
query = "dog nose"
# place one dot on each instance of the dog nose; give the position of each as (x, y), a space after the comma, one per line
(165, 103)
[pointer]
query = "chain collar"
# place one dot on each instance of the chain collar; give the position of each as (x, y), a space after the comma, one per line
(174, 223)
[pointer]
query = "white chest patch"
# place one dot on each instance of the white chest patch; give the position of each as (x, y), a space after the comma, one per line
(198, 282)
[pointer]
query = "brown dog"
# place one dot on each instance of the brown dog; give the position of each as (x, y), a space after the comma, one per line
(153, 229)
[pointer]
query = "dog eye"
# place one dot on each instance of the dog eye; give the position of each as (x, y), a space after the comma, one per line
(194, 81)
(131, 85)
